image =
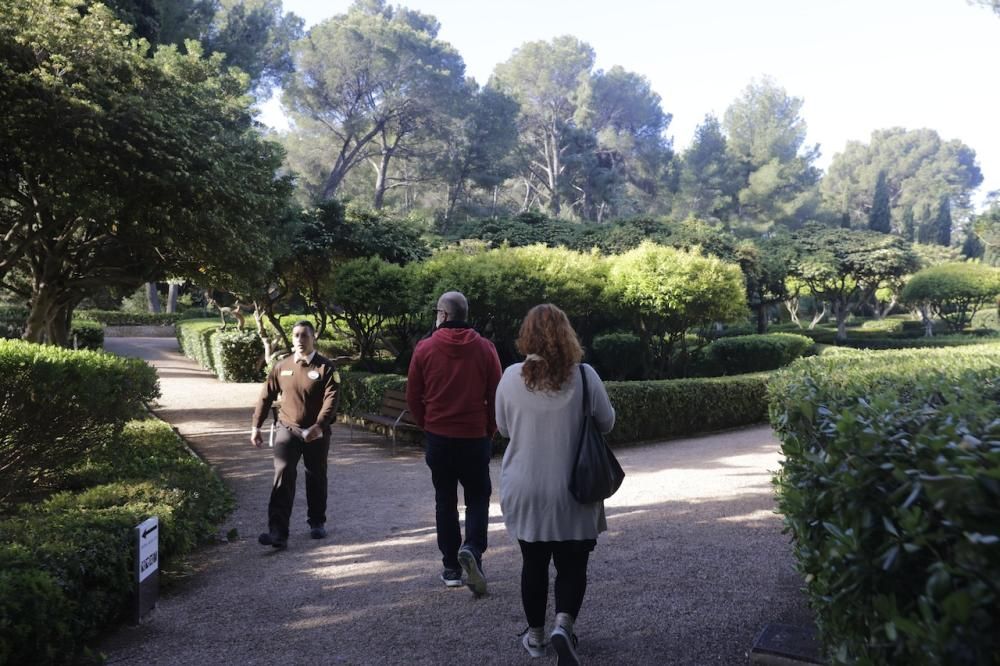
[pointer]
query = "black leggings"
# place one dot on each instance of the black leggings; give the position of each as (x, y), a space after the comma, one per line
(571, 576)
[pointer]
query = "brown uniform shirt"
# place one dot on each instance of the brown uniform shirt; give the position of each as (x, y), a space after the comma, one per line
(308, 393)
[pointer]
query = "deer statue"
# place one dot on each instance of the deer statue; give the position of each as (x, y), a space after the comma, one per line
(233, 311)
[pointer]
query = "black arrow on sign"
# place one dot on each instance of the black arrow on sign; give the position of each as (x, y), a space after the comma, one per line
(149, 531)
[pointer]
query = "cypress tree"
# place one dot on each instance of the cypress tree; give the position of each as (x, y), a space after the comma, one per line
(879, 218)
(909, 226)
(942, 225)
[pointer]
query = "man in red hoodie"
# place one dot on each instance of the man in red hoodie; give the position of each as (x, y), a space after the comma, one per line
(450, 391)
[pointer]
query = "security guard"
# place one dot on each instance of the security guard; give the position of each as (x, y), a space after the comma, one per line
(308, 384)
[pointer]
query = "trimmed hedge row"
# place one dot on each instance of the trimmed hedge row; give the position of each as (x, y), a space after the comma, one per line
(755, 353)
(891, 489)
(679, 407)
(119, 318)
(58, 404)
(232, 355)
(644, 410)
(65, 564)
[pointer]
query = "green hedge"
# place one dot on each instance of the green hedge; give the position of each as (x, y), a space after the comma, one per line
(66, 563)
(679, 407)
(755, 353)
(57, 404)
(86, 334)
(617, 355)
(644, 410)
(361, 392)
(890, 488)
(238, 356)
(119, 318)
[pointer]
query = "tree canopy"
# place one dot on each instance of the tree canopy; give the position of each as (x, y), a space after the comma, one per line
(116, 167)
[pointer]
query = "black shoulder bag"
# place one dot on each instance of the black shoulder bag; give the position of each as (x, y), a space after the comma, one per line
(596, 474)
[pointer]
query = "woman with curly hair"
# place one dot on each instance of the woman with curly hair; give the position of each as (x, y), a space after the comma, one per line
(539, 407)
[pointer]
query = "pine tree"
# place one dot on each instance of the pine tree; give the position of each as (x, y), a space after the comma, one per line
(879, 219)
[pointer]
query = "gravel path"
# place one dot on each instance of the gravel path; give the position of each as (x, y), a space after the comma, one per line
(692, 567)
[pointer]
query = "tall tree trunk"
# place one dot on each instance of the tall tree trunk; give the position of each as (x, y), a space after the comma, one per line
(493, 206)
(761, 318)
(175, 290)
(841, 312)
(152, 297)
(554, 202)
(42, 310)
(381, 182)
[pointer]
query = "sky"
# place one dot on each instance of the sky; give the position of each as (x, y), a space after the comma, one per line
(858, 65)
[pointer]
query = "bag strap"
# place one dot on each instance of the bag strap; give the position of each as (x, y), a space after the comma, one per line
(583, 376)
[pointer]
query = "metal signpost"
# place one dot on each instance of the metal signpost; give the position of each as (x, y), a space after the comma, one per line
(147, 567)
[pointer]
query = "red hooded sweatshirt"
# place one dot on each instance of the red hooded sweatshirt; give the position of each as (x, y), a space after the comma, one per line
(452, 383)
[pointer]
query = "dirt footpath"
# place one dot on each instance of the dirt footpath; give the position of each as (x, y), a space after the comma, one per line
(693, 565)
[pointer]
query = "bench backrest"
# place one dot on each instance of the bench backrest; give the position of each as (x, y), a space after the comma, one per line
(394, 402)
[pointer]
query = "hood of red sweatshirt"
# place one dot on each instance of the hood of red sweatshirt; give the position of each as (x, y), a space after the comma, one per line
(452, 340)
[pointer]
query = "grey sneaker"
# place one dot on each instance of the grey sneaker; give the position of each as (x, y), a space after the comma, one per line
(452, 577)
(534, 644)
(565, 646)
(474, 576)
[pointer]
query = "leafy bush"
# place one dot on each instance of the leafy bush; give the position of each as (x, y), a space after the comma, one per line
(889, 488)
(986, 318)
(57, 405)
(238, 356)
(361, 392)
(65, 564)
(954, 291)
(617, 356)
(754, 353)
(87, 334)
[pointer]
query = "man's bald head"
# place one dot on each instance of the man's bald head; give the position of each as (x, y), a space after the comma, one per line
(455, 305)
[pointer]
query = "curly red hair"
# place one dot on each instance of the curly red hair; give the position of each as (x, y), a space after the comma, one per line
(554, 349)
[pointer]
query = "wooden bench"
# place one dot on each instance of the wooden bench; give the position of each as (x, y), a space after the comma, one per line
(393, 414)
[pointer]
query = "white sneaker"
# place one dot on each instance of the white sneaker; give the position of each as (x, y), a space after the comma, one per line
(565, 646)
(533, 648)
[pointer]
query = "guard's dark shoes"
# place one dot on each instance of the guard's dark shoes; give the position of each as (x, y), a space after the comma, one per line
(318, 532)
(269, 539)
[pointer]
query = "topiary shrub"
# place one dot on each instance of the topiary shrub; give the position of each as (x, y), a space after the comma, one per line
(889, 489)
(754, 353)
(86, 334)
(617, 356)
(954, 291)
(57, 405)
(238, 356)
